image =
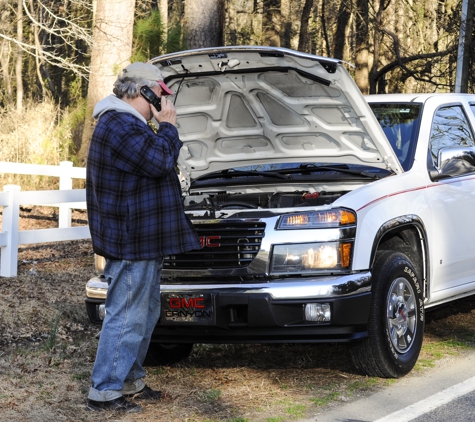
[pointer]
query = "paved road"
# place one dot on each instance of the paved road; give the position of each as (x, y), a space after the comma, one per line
(443, 393)
(458, 410)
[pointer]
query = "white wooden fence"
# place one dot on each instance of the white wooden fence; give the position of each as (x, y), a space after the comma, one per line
(12, 197)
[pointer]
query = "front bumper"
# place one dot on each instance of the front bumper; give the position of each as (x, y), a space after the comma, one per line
(270, 312)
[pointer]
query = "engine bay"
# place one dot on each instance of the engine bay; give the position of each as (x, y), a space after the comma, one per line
(217, 201)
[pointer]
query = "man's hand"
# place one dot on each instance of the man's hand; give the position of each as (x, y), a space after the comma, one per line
(167, 114)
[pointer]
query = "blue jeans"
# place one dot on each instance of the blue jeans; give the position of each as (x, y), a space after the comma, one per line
(132, 311)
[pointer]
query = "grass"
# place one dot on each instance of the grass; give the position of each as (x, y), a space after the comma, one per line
(434, 350)
(212, 395)
(158, 370)
(328, 398)
(441, 348)
(364, 384)
(296, 410)
(226, 377)
(82, 376)
(292, 409)
(325, 391)
(447, 333)
(218, 383)
(51, 341)
(389, 381)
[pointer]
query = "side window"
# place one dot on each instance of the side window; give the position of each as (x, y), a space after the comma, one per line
(450, 128)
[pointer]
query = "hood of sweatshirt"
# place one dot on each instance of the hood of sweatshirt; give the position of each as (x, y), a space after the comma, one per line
(113, 103)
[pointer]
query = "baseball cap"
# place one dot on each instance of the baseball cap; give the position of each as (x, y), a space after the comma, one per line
(146, 71)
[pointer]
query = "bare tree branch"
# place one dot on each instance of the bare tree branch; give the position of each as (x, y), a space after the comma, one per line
(50, 58)
(69, 33)
(402, 61)
(71, 28)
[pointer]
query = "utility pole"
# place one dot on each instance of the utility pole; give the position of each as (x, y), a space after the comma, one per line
(464, 49)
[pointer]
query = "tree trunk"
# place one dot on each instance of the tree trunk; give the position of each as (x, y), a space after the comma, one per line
(323, 19)
(176, 15)
(271, 22)
(257, 20)
(38, 55)
(203, 23)
(5, 52)
(430, 24)
(19, 58)
(343, 19)
(304, 39)
(163, 8)
(285, 23)
(111, 51)
(361, 46)
(462, 85)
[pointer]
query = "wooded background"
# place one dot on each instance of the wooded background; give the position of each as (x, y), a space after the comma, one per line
(70, 51)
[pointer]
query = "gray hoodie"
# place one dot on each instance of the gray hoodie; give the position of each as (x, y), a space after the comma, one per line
(111, 102)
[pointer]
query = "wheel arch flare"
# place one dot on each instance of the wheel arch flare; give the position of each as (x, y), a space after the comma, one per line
(405, 234)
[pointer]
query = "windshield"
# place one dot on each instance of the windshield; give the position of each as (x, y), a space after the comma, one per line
(400, 123)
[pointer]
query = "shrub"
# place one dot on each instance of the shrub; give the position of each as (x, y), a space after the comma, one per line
(40, 134)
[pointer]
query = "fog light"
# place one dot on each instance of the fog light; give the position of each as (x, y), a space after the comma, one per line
(318, 312)
(102, 311)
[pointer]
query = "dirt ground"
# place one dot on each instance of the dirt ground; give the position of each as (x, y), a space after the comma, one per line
(47, 349)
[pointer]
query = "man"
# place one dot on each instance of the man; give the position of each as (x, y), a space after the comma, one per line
(136, 218)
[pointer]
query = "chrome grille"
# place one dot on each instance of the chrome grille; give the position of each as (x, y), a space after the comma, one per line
(224, 246)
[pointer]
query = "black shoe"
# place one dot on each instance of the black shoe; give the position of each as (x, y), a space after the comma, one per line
(145, 393)
(119, 404)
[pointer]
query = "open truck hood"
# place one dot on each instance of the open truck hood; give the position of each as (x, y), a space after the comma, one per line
(241, 106)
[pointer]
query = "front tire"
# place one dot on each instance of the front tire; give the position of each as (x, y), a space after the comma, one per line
(165, 354)
(396, 322)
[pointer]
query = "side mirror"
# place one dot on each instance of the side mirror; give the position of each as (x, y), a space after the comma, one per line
(453, 162)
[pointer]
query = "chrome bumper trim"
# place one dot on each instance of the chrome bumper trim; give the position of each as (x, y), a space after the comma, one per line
(288, 288)
(96, 288)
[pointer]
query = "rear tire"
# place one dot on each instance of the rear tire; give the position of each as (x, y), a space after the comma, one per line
(396, 322)
(166, 354)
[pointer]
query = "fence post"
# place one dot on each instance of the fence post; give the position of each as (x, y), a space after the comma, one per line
(66, 183)
(10, 226)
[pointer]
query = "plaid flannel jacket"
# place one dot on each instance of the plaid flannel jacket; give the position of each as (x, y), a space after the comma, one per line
(134, 204)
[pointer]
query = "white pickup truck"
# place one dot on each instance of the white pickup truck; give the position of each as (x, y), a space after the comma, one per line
(323, 216)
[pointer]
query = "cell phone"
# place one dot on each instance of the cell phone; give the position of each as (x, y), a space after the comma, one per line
(151, 97)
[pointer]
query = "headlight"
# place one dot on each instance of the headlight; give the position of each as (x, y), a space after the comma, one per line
(332, 246)
(317, 220)
(311, 257)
